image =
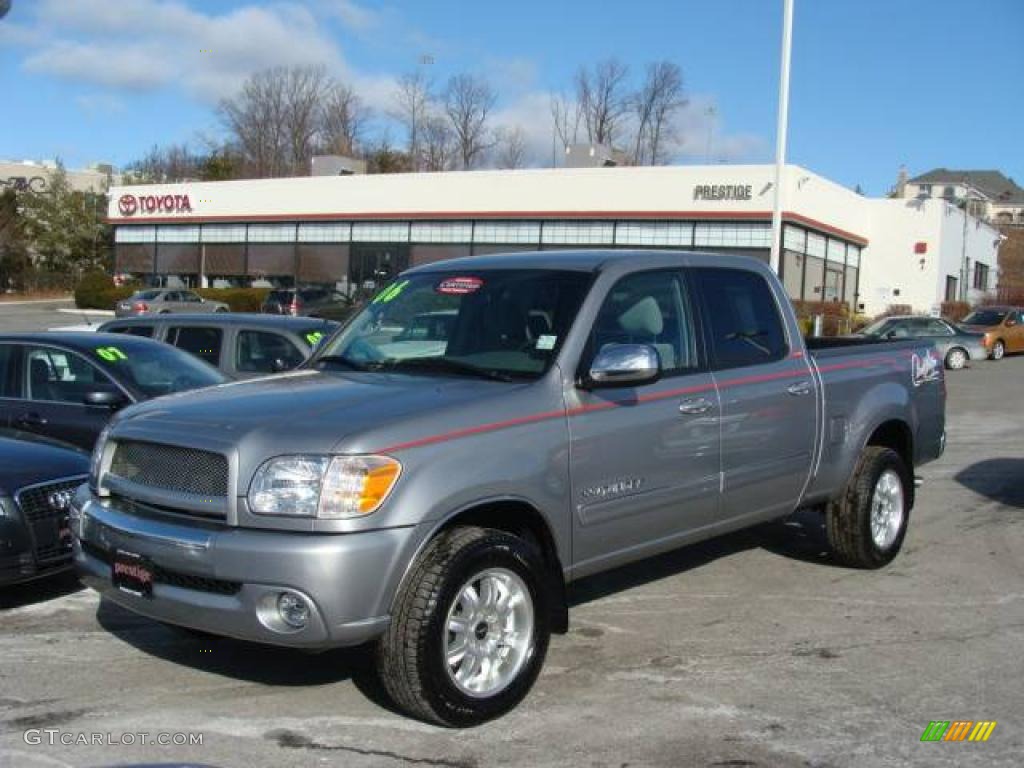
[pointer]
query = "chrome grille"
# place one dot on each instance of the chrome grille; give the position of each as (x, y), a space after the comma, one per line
(170, 468)
(45, 509)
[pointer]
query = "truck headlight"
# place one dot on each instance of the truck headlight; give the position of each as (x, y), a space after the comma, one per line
(332, 488)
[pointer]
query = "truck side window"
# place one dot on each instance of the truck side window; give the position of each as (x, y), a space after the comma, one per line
(744, 323)
(257, 352)
(204, 343)
(134, 330)
(649, 308)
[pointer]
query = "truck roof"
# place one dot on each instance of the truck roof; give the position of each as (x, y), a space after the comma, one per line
(585, 260)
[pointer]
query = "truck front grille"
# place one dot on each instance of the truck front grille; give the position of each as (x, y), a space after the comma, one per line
(45, 509)
(170, 468)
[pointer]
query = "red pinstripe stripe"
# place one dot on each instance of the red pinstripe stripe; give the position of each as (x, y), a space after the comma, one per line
(653, 397)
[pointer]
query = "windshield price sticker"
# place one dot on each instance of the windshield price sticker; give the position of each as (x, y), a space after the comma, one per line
(459, 286)
(314, 338)
(389, 294)
(111, 354)
(546, 342)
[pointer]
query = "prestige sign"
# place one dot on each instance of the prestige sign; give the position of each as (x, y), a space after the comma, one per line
(129, 205)
(722, 192)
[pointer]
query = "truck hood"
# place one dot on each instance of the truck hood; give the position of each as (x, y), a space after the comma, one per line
(301, 412)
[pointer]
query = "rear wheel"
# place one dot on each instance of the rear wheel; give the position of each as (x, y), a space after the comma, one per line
(867, 524)
(956, 359)
(469, 630)
(998, 350)
(220, 309)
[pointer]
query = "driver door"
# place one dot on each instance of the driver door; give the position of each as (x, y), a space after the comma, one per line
(644, 459)
(55, 383)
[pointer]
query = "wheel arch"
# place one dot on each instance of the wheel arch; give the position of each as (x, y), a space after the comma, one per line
(897, 435)
(517, 517)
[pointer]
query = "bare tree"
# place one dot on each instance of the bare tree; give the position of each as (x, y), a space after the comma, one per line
(274, 119)
(343, 120)
(468, 100)
(412, 103)
(566, 115)
(437, 144)
(305, 91)
(512, 143)
(175, 162)
(603, 99)
(654, 105)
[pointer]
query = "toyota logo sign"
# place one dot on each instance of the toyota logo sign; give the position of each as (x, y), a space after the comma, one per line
(128, 205)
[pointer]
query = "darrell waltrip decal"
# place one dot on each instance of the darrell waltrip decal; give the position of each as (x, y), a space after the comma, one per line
(925, 367)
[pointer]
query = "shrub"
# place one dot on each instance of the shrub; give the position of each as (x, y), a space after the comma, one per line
(96, 290)
(955, 310)
(836, 316)
(239, 299)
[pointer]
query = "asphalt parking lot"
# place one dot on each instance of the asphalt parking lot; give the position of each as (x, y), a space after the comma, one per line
(752, 650)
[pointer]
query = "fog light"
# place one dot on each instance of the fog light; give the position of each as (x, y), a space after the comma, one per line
(293, 610)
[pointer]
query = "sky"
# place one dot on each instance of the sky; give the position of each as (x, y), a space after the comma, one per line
(875, 83)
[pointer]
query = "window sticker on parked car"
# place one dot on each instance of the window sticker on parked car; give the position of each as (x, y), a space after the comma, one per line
(458, 286)
(546, 341)
(313, 337)
(111, 354)
(390, 294)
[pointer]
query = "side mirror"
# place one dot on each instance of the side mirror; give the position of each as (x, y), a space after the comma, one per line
(621, 365)
(279, 365)
(104, 398)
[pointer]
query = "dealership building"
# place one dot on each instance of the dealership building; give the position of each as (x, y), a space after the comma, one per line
(355, 232)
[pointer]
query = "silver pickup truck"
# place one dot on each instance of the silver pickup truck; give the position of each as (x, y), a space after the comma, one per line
(433, 487)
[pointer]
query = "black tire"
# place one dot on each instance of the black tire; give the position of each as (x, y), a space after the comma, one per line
(219, 310)
(998, 350)
(410, 656)
(957, 358)
(848, 518)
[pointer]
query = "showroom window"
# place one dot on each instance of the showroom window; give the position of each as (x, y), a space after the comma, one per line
(135, 235)
(527, 232)
(733, 235)
(380, 232)
(577, 232)
(223, 233)
(330, 232)
(442, 232)
(655, 233)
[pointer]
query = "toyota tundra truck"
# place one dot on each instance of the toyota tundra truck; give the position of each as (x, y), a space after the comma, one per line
(433, 493)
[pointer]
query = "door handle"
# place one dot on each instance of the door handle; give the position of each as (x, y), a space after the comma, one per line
(800, 388)
(30, 420)
(695, 407)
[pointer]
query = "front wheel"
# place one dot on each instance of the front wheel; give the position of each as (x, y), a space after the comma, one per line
(998, 350)
(469, 630)
(867, 524)
(956, 359)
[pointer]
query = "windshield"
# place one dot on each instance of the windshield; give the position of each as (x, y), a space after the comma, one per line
(985, 317)
(155, 369)
(879, 327)
(146, 295)
(495, 323)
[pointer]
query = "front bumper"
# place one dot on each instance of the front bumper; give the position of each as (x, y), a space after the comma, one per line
(226, 580)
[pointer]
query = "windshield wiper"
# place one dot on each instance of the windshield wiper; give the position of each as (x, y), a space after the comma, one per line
(751, 338)
(448, 365)
(348, 362)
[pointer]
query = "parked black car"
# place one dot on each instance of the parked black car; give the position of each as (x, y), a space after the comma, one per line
(308, 302)
(243, 346)
(67, 385)
(37, 482)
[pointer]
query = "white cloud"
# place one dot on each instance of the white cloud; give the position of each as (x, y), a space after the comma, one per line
(147, 44)
(354, 15)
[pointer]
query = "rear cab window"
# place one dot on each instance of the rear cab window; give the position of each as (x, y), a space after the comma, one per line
(745, 327)
(202, 341)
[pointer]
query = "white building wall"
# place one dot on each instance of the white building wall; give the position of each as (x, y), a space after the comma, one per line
(894, 273)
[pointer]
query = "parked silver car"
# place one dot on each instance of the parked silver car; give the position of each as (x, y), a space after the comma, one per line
(161, 301)
(956, 345)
